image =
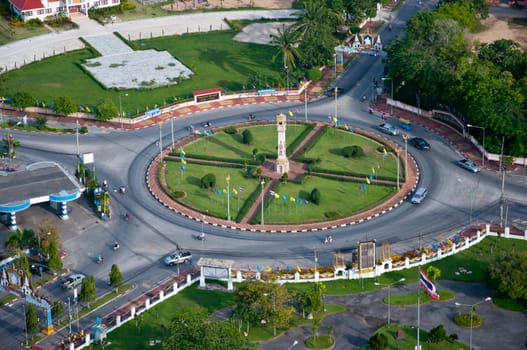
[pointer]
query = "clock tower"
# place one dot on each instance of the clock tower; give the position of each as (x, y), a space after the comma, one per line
(282, 164)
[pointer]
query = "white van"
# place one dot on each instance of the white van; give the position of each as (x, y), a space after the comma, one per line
(419, 195)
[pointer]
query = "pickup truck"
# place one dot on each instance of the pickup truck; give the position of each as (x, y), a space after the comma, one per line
(178, 258)
(73, 280)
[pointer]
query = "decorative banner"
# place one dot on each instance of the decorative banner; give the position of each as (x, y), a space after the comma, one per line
(290, 113)
(292, 199)
(276, 195)
(234, 191)
(385, 154)
(271, 193)
(373, 170)
(284, 197)
(368, 181)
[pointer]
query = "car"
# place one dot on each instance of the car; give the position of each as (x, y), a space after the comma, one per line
(468, 165)
(388, 129)
(178, 258)
(331, 91)
(419, 195)
(73, 280)
(419, 143)
(207, 125)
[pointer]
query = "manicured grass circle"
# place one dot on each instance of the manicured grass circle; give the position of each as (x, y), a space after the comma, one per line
(347, 185)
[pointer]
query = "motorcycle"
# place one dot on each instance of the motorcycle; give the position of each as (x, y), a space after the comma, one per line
(116, 246)
(201, 237)
(99, 259)
(252, 117)
(126, 217)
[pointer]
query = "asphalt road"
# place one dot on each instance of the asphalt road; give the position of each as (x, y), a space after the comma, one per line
(456, 198)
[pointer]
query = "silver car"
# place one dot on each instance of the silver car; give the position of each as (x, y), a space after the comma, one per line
(388, 129)
(419, 195)
(468, 165)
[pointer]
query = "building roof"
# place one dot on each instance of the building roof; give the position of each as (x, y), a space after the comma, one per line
(25, 5)
(36, 183)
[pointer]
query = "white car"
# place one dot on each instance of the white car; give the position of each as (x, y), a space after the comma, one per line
(73, 280)
(468, 165)
(388, 129)
(178, 258)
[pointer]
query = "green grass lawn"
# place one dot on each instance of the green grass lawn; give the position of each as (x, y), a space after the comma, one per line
(231, 146)
(215, 58)
(338, 199)
(204, 199)
(9, 33)
(328, 148)
(411, 298)
(153, 324)
(410, 339)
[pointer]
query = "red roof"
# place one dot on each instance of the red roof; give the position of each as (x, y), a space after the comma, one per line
(25, 5)
(208, 91)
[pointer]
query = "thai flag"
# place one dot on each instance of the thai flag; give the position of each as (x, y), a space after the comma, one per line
(428, 285)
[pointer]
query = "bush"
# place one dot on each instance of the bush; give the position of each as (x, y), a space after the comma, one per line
(247, 137)
(83, 129)
(208, 181)
(384, 147)
(453, 337)
(352, 151)
(437, 334)
(378, 341)
(463, 320)
(313, 74)
(231, 130)
(315, 196)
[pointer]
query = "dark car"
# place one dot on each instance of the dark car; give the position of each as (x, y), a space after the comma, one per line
(419, 143)
(331, 91)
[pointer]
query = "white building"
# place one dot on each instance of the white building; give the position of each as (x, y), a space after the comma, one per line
(31, 9)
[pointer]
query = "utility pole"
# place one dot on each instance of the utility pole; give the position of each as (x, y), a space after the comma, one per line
(502, 181)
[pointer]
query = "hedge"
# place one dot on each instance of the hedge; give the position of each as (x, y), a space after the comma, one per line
(294, 145)
(247, 204)
(314, 140)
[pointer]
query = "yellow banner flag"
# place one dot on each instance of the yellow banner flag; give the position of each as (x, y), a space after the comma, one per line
(290, 113)
(367, 181)
(373, 170)
(298, 268)
(234, 191)
(276, 195)
(292, 199)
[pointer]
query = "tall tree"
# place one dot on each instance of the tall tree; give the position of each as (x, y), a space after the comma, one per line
(64, 105)
(88, 290)
(287, 40)
(10, 144)
(195, 329)
(116, 278)
(31, 319)
(54, 262)
(507, 276)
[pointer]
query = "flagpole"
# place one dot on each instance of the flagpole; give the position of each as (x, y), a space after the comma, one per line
(418, 347)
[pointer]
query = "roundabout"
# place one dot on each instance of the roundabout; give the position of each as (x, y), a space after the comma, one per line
(353, 188)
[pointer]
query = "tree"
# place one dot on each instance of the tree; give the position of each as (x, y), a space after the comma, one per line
(437, 334)
(287, 40)
(257, 301)
(31, 319)
(315, 196)
(208, 181)
(64, 105)
(116, 278)
(247, 137)
(23, 99)
(54, 263)
(23, 264)
(353, 151)
(506, 276)
(106, 110)
(41, 122)
(57, 309)
(378, 341)
(10, 145)
(195, 329)
(285, 177)
(88, 290)
(433, 272)
(255, 152)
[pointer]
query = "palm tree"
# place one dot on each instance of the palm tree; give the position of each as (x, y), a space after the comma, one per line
(287, 40)
(314, 16)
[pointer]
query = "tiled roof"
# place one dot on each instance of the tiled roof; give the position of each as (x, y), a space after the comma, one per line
(24, 5)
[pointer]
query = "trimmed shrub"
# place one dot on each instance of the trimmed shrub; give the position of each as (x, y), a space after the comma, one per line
(208, 181)
(378, 341)
(231, 130)
(313, 74)
(315, 196)
(437, 334)
(247, 137)
(352, 151)
(463, 320)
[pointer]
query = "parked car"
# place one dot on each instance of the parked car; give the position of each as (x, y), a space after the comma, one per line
(419, 143)
(419, 195)
(331, 91)
(388, 129)
(468, 165)
(178, 258)
(73, 280)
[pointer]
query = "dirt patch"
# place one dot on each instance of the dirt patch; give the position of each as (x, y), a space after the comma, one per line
(498, 28)
(227, 4)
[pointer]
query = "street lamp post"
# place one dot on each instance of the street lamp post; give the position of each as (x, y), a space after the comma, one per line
(286, 79)
(405, 138)
(25, 320)
(472, 314)
(121, 109)
(389, 294)
(336, 90)
(77, 137)
(263, 184)
(391, 95)
(305, 102)
(483, 151)
(228, 179)
(274, 311)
